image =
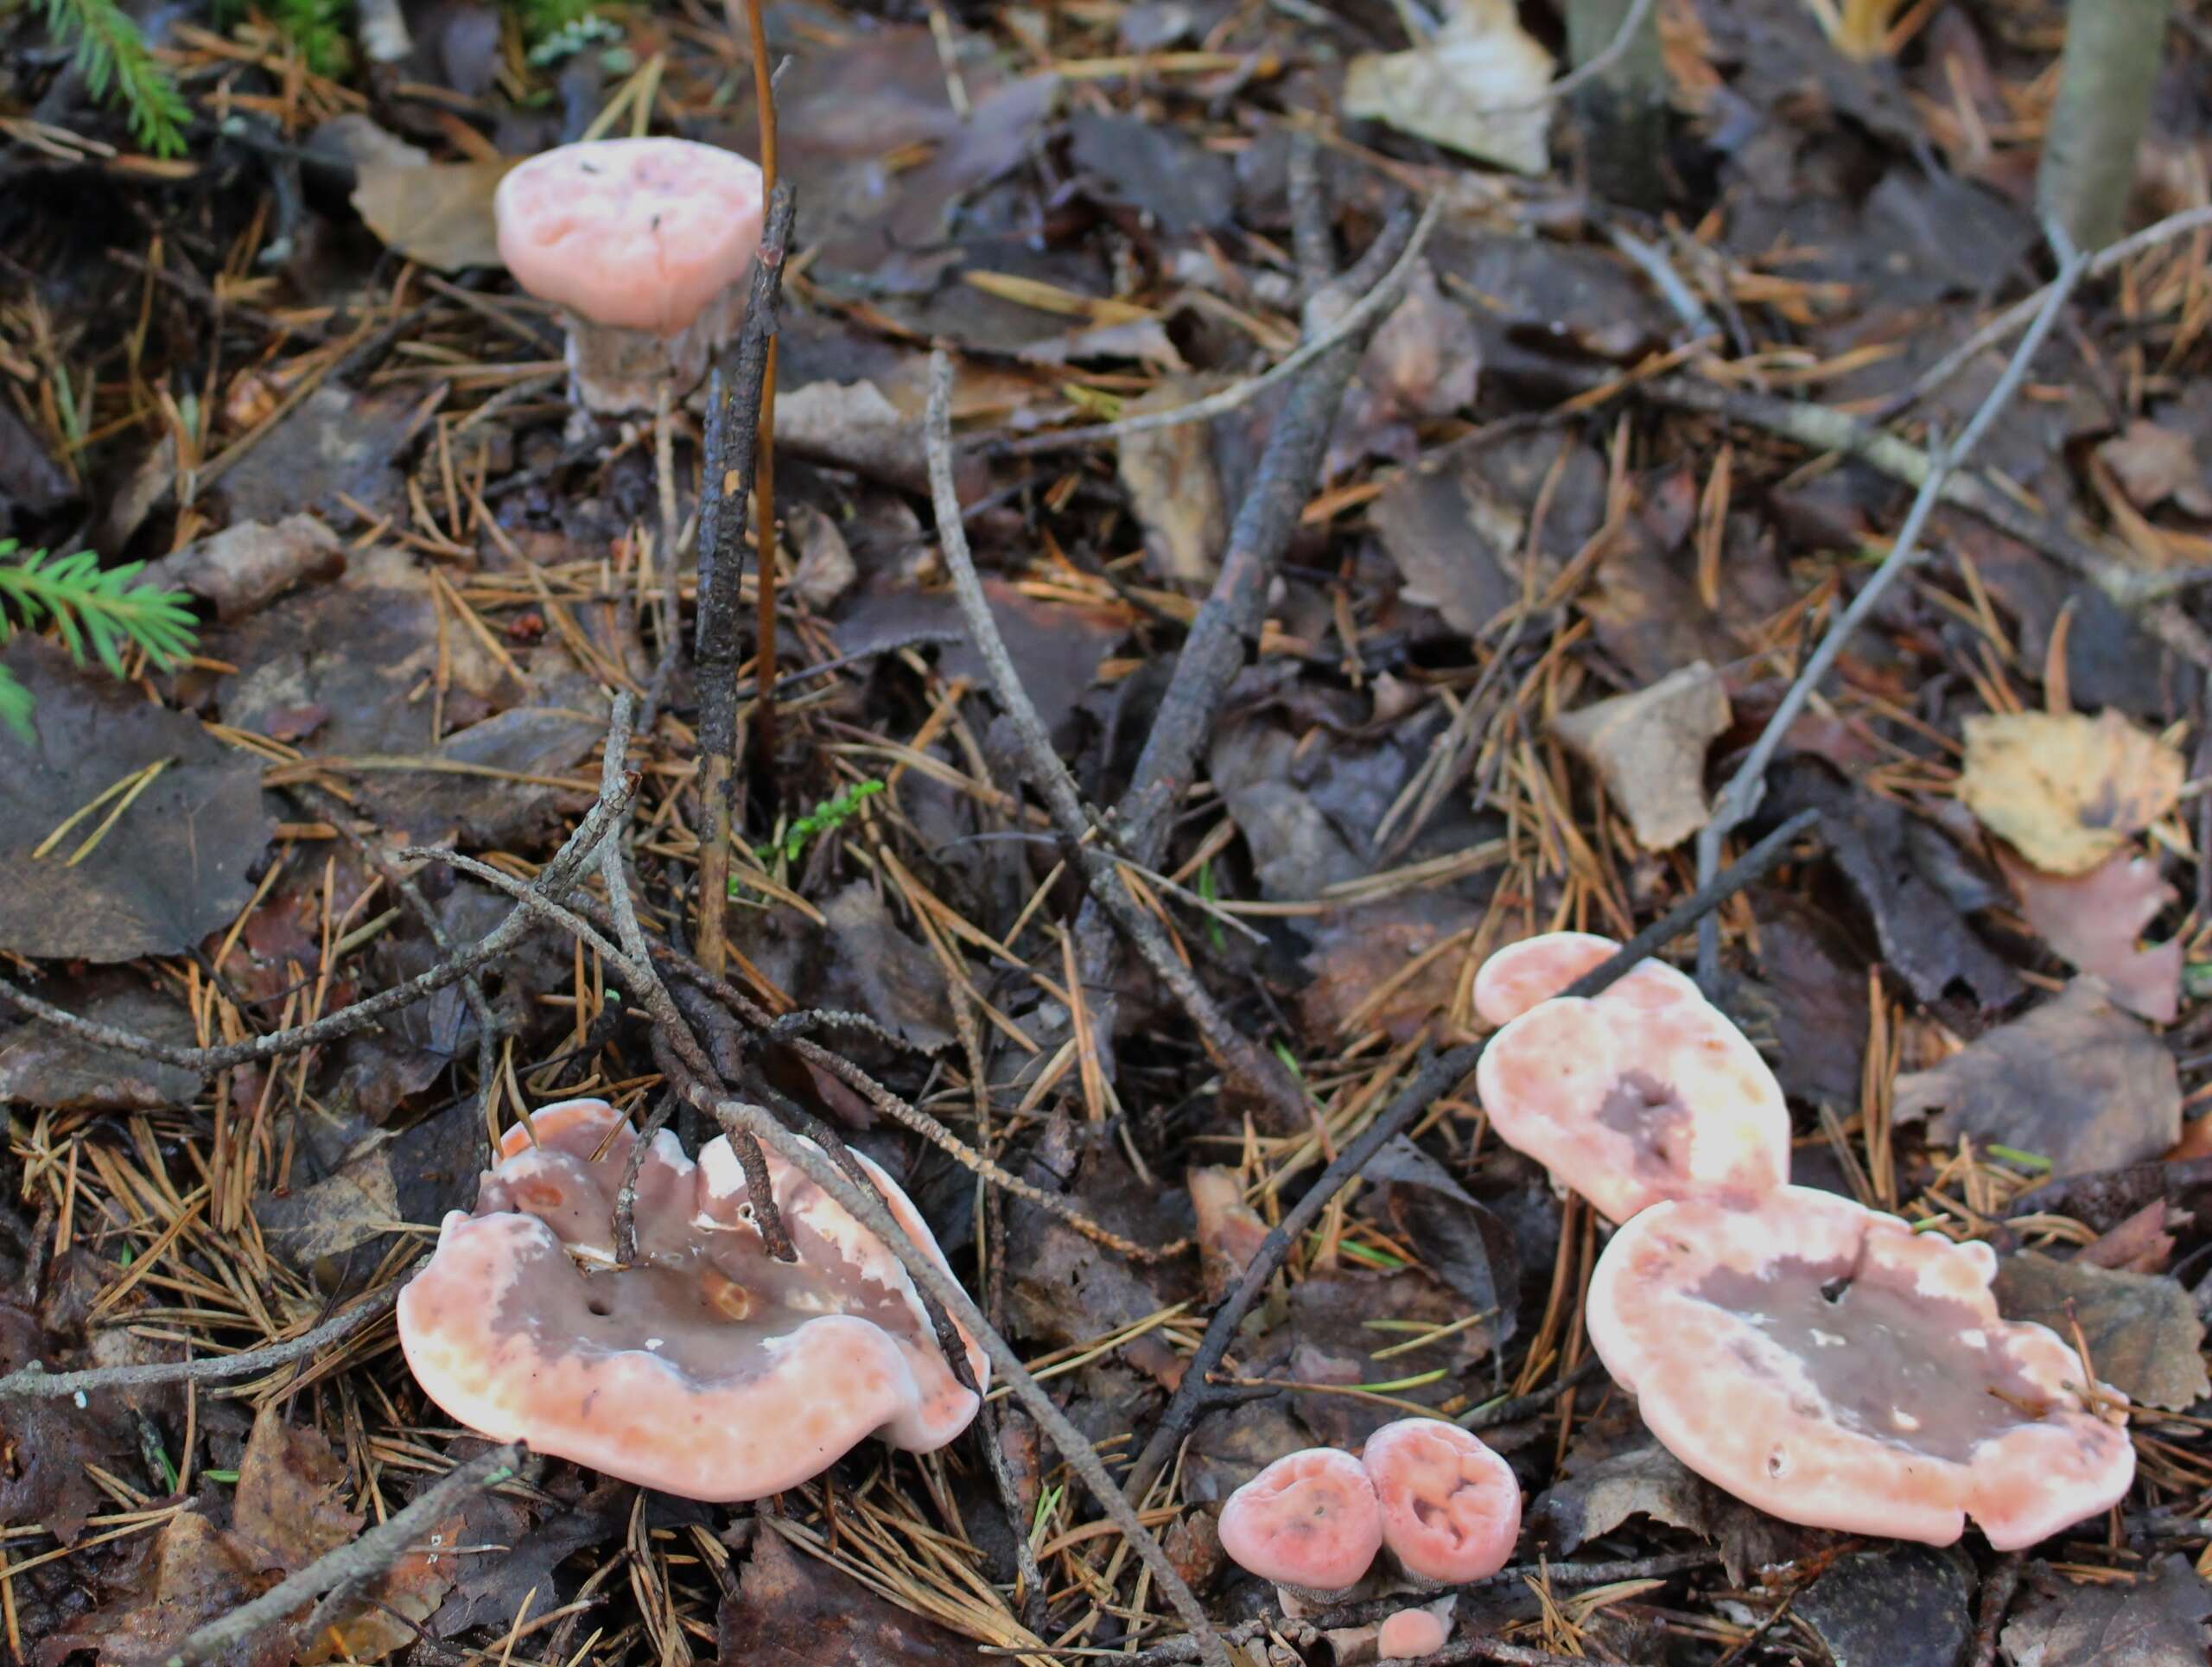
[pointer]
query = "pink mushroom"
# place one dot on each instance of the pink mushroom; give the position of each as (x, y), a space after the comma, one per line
(644, 245)
(1451, 1507)
(1643, 1093)
(1412, 1633)
(1833, 1367)
(1536, 969)
(1308, 1523)
(709, 1369)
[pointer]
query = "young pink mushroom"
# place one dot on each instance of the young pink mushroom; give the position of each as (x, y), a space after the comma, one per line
(1412, 1633)
(1642, 1093)
(1308, 1522)
(709, 1369)
(1833, 1367)
(1451, 1507)
(644, 244)
(1536, 969)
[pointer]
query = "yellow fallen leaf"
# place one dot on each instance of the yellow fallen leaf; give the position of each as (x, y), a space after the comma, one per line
(439, 214)
(2065, 790)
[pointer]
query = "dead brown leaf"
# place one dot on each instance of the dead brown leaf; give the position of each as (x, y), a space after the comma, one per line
(2067, 789)
(1649, 747)
(2095, 920)
(2142, 1329)
(439, 215)
(2076, 1081)
(1478, 87)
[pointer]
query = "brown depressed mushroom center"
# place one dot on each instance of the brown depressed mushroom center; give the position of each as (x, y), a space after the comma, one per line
(709, 1369)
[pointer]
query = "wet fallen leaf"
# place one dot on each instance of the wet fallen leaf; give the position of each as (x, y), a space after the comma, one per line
(2142, 1329)
(1458, 1241)
(1478, 87)
(890, 976)
(2153, 464)
(2065, 789)
(1421, 364)
(190, 1574)
(334, 445)
(248, 563)
(286, 1505)
(1649, 747)
(2156, 1620)
(1901, 1606)
(490, 1590)
(176, 863)
(2075, 1081)
(1646, 1480)
(1152, 168)
(789, 1611)
(439, 215)
(41, 1065)
(1875, 845)
(1359, 963)
(2095, 920)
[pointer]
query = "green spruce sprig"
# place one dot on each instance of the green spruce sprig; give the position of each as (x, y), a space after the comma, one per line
(103, 610)
(118, 68)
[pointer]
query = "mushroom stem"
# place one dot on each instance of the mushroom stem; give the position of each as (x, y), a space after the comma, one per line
(737, 1117)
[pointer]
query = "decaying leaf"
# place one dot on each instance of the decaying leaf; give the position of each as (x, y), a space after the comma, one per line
(41, 1065)
(1478, 87)
(1649, 746)
(1895, 1606)
(175, 862)
(2067, 789)
(2156, 1620)
(248, 563)
(2142, 1329)
(439, 215)
(2095, 920)
(789, 1611)
(1458, 1240)
(1174, 486)
(2075, 1081)
(893, 979)
(1644, 1481)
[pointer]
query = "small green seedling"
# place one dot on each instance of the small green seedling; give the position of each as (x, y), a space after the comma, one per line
(828, 817)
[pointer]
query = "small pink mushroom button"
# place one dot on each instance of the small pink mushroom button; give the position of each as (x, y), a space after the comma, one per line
(708, 1369)
(644, 245)
(1308, 1522)
(1833, 1367)
(1451, 1507)
(1643, 1093)
(1412, 1633)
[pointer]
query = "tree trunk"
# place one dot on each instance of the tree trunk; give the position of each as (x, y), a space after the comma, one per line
(1623, 110)
(2105, 77)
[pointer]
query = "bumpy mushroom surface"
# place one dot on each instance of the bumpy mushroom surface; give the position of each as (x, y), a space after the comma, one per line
(1536, 969)
(1412, 1633)
(1643, 1093)
(1451, 1507)
(1309, 1522)
(644, 243)
(708, 1370)
(1832, 1367)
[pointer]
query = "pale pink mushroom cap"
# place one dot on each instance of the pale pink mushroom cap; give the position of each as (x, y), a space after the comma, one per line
(710, 1370)
(1536, 969)
(1308, 1520)
(1832, 1367)
(1411, 1632)
(1451, 1507)
(641, 234)
(1643, 1093)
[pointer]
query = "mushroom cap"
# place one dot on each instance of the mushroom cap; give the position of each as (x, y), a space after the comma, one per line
(1451, 1507)
(1412, 1633)
(1536, 969)
(1307, 1521)
(708, 1370)
(640, 233)
(1642, 1093)
(1830, 1366)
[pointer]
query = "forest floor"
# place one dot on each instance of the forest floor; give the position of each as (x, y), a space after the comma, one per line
(1511, 417)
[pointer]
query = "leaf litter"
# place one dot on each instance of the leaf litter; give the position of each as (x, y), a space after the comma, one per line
(1507, 635)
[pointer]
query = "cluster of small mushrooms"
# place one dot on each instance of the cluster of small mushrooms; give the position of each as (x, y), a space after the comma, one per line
(1817, 1359)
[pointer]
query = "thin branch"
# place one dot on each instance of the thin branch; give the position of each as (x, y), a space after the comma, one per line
(363, 1558)
(1367, 310)
(1736, 801)
(36, 1381)
(2023, 312)
(1049, 775)
(1435, 1079)
(733, 449)
(553, 879)
(1082, 1458)
(1565, 1575)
